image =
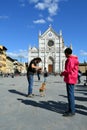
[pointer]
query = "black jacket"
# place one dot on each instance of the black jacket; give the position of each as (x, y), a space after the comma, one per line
(31, 70)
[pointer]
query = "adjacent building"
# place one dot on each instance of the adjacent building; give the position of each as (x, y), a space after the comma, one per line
(3, 50)
(9, 65)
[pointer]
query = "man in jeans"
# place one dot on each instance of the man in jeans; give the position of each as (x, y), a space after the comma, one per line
(70, 77)
(32, 69)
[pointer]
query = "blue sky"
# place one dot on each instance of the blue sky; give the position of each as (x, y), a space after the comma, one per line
(21, 20)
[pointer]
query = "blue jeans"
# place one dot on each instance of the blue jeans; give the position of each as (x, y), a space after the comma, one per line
(45, 79)
(38, 75)
(30, 83)
(71, 98)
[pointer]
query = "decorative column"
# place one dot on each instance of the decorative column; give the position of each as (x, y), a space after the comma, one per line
(44, 53)
(60, 51)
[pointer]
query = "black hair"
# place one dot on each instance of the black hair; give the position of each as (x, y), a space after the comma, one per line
(68, 51)
(37, 58)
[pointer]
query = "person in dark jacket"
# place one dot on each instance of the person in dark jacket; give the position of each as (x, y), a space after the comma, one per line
(32, 69)
(45, 74)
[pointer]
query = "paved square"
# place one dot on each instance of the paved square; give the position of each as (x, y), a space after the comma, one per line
(17, 112)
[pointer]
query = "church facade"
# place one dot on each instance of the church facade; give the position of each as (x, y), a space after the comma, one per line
(51, 50)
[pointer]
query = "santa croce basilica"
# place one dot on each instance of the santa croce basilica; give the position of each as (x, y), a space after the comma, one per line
(50, 49)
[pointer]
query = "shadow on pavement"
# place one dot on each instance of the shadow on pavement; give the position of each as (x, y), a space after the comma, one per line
(81, 89)
(17, 92)
(81, 109)
(58, 107)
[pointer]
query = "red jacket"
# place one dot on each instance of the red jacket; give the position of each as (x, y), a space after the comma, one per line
(71, 70)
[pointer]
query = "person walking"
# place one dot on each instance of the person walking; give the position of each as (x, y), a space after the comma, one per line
(45, 74)
(32, 69)
(70, 77)
(79, 76)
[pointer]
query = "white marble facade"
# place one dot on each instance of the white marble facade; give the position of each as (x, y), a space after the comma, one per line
(50, 49)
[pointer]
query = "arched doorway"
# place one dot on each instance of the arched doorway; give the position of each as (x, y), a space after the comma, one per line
(50, 65)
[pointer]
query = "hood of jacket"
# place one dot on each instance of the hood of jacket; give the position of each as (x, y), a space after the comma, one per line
(73, 58)
(71, 69)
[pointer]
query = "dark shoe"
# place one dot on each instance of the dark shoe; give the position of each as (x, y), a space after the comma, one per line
(68, 114)
(67, 111)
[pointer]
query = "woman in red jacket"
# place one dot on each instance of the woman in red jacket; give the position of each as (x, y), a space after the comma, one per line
(70, 77)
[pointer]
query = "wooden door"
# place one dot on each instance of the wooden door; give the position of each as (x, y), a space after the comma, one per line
(50, 68)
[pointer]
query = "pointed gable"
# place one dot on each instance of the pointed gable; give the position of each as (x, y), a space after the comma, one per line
(49, 32)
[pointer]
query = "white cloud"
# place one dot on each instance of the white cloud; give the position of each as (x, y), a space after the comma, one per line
(50, 5)
(11, 54)
(52, 9)
(18, 55)
(39, 21)
(83, 53)
(40, 6)
(50, 19)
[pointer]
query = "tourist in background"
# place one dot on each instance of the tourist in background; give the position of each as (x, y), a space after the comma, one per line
(79, 76)
(45, 74)
(38, 74)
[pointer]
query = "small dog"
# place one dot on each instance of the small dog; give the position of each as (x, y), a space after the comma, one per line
(42, 89)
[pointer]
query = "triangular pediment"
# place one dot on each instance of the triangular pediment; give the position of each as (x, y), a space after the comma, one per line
(34, 49)
(49, 32)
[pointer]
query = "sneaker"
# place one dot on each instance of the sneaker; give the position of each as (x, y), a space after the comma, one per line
(33, 94)
(30, 95)
(68, 114)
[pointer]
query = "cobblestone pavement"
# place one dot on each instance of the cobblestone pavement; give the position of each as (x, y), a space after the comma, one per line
(17, 112)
